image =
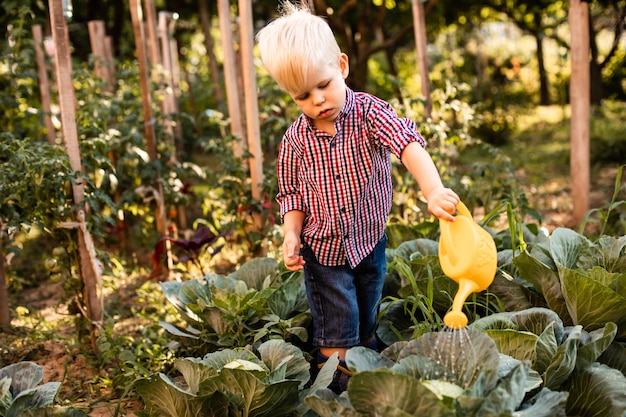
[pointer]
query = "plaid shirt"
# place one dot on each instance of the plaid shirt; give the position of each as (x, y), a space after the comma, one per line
(343, 183)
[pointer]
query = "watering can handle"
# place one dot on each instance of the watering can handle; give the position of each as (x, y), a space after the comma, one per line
(445, 232)
(462, 209)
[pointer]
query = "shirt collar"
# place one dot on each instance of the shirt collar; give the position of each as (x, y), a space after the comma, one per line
(348, 106)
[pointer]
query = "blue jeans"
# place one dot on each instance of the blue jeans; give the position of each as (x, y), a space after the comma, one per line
(344, 302)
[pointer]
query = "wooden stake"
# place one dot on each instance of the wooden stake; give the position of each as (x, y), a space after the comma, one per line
(214, 70)
(169, 105)
(44, 84)
(230, 76)
(149, 131)
(90, 273)
(152, 37)
(97, 34)
(580, 96)
(252, 109)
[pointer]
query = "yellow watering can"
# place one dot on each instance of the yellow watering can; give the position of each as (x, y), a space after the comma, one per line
(467, 254)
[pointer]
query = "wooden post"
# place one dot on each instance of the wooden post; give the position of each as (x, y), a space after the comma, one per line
(148, 124)
(230, 76)
(214, 70)
(170, 104)
(109, 59)
(580, 96)
(419, 28)
(152, 38)
(252, 109)
(97, 38)
(44, 84)
(90, 273)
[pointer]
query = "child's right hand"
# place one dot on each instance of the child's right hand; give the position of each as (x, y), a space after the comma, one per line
(291, 253)
(442, 203)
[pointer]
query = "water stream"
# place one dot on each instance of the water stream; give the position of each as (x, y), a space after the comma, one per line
(454, 351)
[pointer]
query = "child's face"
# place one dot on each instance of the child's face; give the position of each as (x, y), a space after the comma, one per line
(324, 93)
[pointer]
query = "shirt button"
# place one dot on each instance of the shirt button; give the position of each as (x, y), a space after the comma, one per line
(343, 209)
(337, 176)
(345, 236)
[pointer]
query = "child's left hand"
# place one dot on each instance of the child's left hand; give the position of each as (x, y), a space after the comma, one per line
(442, 203)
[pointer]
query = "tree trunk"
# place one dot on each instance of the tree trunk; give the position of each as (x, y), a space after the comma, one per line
(419, 27)
(595, 68)
(579, 99)
(544, 89)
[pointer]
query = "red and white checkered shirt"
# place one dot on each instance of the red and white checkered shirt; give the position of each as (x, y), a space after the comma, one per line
(343, 183)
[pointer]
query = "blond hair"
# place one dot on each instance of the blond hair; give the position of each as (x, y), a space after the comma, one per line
(293, 42)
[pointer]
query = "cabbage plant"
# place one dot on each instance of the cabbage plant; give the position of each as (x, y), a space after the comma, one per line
(230, 382)
(458, 373)
(566, 358)
(253, 304)
(570, 272)
(22, 393)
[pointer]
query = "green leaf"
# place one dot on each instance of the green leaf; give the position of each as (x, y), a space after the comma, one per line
(545, 404)
(178, 331)
(285, 299)
(517, 344)
(196, 292)
(164, 398)
(6, 398)
(546, 281)
(597, 391)
(547, 346)
(325, 403)
(23, 376)
(38, 397)
(424, 247)
(395, 325)
(255, 271)
(278, 354)
(217, 360)
(194, 372)
(615, 356)
(537, 320)
(612, 249)
(564, 361)
(508, 363)
(423, 368)
(383, 389)
(568, 247)
(361, 359)
(173, 291)
(582, 290)
(507, 395)
(600, 340)
(251, 396)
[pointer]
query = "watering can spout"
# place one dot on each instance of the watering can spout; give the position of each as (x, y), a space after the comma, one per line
(468, 256)
(455, 319)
